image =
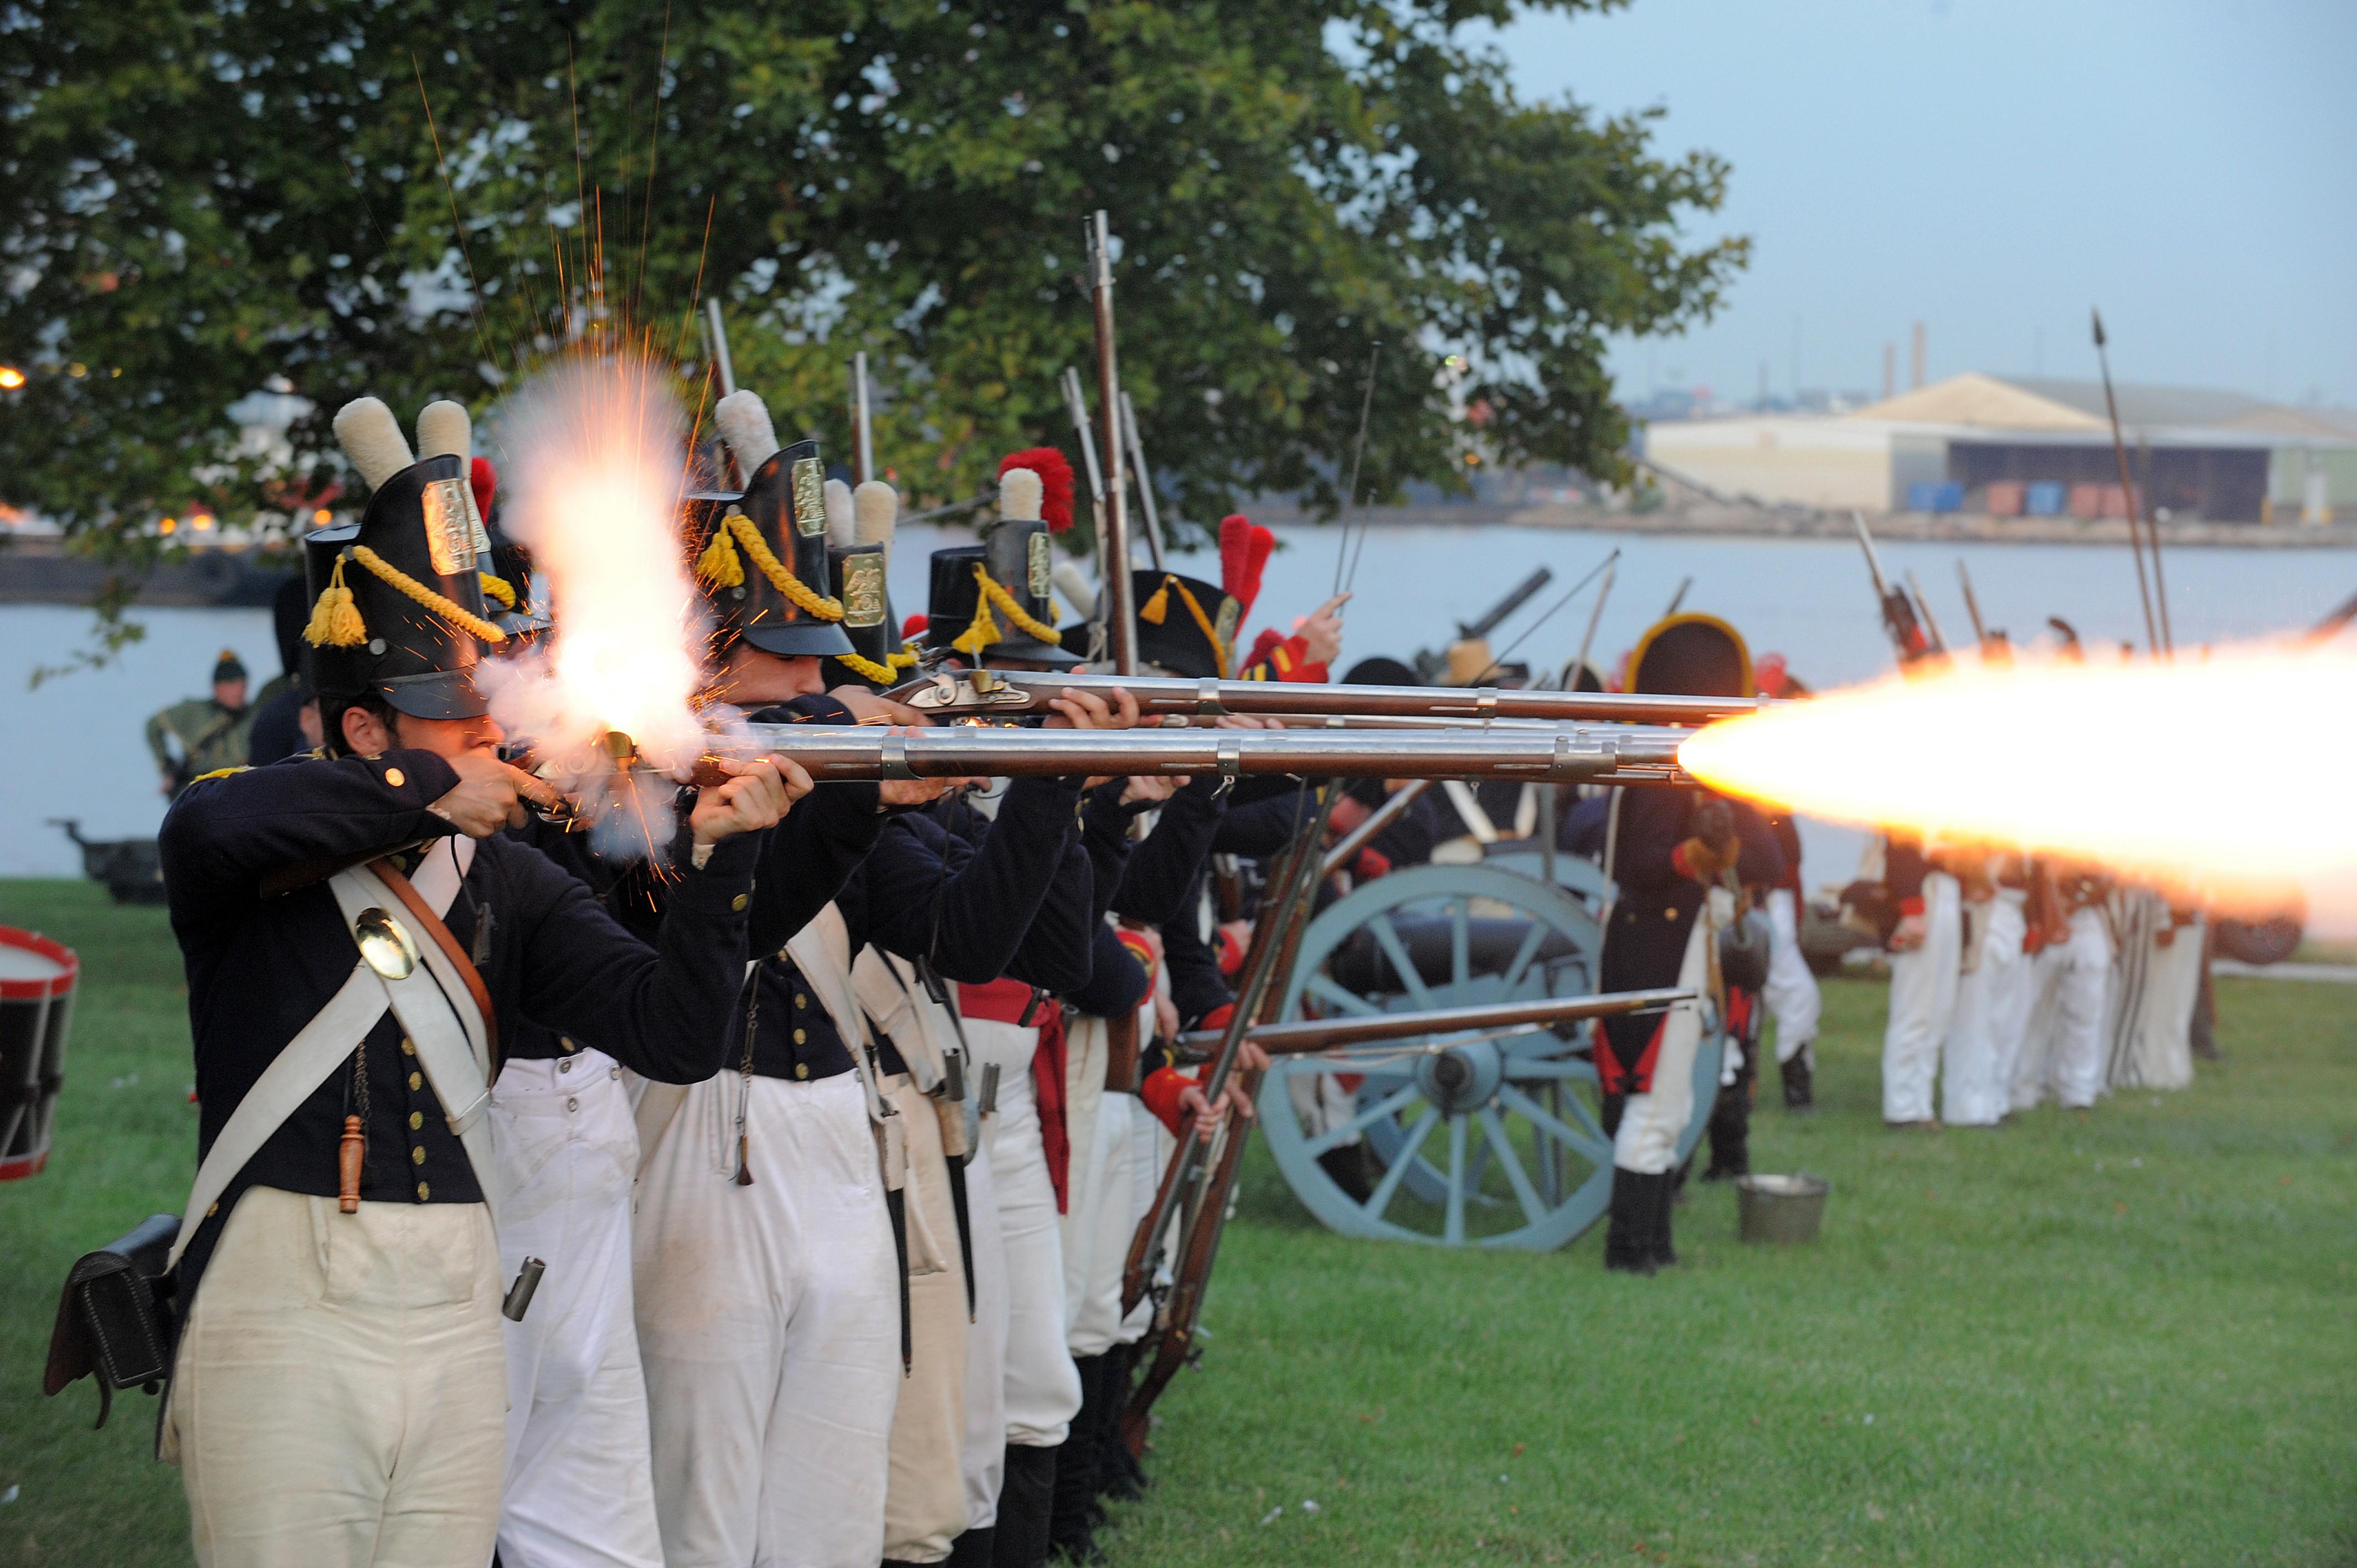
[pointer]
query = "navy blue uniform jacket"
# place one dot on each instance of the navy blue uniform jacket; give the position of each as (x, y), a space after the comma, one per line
(259, 969)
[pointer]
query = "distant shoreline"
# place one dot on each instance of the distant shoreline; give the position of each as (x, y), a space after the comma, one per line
(1734, 521)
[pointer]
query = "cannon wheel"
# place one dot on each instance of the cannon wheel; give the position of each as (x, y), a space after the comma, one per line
(1472, 1142)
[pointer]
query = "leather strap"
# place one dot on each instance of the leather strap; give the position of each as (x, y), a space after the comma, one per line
(461, 964)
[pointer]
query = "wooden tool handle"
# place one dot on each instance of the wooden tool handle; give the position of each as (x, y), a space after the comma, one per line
(348, 1167)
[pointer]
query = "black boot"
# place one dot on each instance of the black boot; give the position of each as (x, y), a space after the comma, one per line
(1800, 1087)
(1731, 1134)
(1073, 1519)
(971, 1548)
(1119, 1475)
(1026, 1502)
(1627, 1226)
(1348, 1166)
(1660, 1253)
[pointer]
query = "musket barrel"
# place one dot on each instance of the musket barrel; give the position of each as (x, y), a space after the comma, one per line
(1308, 1034)
(866, 752)
(1011, 692)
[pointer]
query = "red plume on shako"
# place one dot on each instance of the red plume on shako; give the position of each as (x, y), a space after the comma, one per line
(1055, 483)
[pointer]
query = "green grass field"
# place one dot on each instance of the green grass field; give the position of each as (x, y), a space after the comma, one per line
(2124, 1337)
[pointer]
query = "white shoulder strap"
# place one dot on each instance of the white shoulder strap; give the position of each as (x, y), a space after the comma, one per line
(822, 950)
(316, 1050)
(1469, 805)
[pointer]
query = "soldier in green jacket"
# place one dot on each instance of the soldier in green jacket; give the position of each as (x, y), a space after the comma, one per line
(203, 735)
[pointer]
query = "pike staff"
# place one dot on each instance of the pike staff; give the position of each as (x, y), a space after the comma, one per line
(1358, 455)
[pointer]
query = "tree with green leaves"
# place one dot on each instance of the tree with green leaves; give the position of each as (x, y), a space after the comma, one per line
(206, 200)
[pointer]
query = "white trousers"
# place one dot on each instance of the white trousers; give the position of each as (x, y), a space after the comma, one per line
(1151, 1146)
(2161, 1055)
(769, 1320)
(1923, 1002)
(982, 1461)
(1791, 991)
(1098, 1221)
(1043, 1387)
(578, 1488)
(1651, 1123)
(925, 1503)
(2062, 1047)
(1976, 1065)
(336, 1399)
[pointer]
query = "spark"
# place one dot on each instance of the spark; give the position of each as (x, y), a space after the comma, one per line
(2221, 778)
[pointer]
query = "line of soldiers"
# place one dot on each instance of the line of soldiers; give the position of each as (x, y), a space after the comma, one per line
(2016, 980)
(808, 1143)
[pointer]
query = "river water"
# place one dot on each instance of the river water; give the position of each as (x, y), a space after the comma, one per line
(74, 746)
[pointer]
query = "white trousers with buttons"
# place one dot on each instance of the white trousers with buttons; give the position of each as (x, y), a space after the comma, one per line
(579, 1489)
(336, 1397)
(769, 1320)
(1923, 1003)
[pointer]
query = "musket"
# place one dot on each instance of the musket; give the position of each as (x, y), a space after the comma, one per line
(1305, 1036)
(716, 339)
(2153, 640)
(995, 694)
(1347, 849)
(863, 439)
(1144, 481)
(1292, 887)
(1121, 621)
(839, 753)
(1677, 598)
(1898, 615)
(1972, 605)
(2330, 626)
(1277, 944)
(1923, 607)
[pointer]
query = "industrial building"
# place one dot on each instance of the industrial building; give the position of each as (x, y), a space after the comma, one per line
(2012, 447)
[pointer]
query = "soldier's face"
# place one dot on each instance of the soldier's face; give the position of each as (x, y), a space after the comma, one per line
(230, 693)
(365, 735)
(750, 678)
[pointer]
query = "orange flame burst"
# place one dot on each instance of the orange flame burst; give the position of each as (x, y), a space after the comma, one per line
(2224, 777)
(595, 447)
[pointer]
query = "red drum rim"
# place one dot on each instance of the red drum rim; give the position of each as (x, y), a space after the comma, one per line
(57, 952)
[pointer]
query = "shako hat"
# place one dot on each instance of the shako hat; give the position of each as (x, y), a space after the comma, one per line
(860, 574)
(991, 600)
(1691, 656)
(1188, 626)
(760, 557)
(398, 608)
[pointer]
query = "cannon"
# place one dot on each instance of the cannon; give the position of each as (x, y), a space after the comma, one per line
(1485, 1139)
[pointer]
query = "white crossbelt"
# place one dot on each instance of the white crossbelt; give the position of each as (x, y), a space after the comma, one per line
(434, 1006)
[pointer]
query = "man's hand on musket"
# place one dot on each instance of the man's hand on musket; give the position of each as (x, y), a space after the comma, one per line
(870, 709)
(758, 795)
(489, 794)
(892, 792)
(1076, 709)
(1205, 1119)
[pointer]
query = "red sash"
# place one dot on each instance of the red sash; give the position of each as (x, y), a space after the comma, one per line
(1001, 1001)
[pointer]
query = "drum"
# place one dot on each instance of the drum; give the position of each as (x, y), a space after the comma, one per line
(36, 986)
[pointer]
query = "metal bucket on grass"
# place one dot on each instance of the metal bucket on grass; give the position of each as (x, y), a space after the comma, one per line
(1780, 1207)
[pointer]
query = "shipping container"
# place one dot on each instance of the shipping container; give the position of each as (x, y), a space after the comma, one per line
(1942, 495)
(2044, 498)
(2005, 497)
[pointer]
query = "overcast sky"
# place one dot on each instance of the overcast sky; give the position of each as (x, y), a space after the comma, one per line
(1992, 167)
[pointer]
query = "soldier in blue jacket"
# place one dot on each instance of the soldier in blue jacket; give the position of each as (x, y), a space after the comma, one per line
(339, 1384)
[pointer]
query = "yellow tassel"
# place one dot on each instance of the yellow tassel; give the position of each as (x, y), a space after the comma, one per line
(498, 588)
(981, 634)
(719, 564)
(1152, 611)
(336, 618)
(866, 668)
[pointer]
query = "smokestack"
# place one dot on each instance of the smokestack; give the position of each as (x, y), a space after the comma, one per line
(1919, 356)
(1890, 370)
